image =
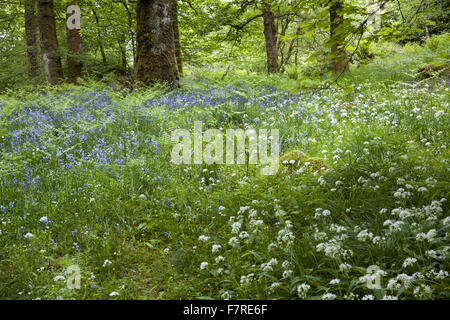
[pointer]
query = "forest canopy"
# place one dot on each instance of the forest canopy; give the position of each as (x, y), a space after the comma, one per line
(274, 36)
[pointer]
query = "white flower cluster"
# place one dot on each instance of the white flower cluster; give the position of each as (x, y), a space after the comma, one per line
(268, 266)
(321, 213)
(302, 290)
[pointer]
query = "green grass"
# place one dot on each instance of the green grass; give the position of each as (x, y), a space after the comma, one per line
(95, 161)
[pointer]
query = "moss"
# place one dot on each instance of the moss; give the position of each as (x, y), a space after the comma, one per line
(428, 70)
(295, 159)
(293, 155)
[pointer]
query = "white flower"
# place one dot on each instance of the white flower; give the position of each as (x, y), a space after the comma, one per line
(236, 226)
(243, 235)
(401, 193)
(371, 276)
(233, 242)
(335, 281)
(422, 291)
(442, 274)
(331, 248)
(114, 293)
(407, 280)
(287, 274)
(364, 235)
(268, 266)
(344, 267)
(255, 223)
(28, 235)
(273, 286)
(285, 235)
(321, 213)
(428, 236)
(439, 113)
(203, 238)
(106, 263)
(280, 213)
(226, 295)
(302, 290)
(328, 296)
(408, 262)
(394, 226)
(203, 265)
(247, 279)
(216, 247)
(219, 259)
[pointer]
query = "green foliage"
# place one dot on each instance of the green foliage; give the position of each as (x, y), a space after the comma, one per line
(365, 52)
(439, 43)
(86, 176)
(367, 187)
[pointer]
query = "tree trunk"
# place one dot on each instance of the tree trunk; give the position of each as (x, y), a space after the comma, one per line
(49, 41)
(176, 37)
(290, 50)
(99, 36)
(427, 31)
(75, 48)
(155, 59)
(31, 37)
(123, 54)
(338, 55)
(270, 33)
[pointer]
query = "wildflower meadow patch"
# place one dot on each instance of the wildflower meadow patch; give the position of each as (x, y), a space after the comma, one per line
(92, 205)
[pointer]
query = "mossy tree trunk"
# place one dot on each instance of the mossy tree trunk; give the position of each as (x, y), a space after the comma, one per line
(122, 43)
(339, 61)
(176, 36)
(270, 35)
(31, 37)
(49, 41)
(155, 58)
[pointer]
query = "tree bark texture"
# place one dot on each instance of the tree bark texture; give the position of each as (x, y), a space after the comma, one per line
(176, 36)
(270, 35)
(49, 41)
(75, 49)
(31, 37)
(339, 56)
(155, 58)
